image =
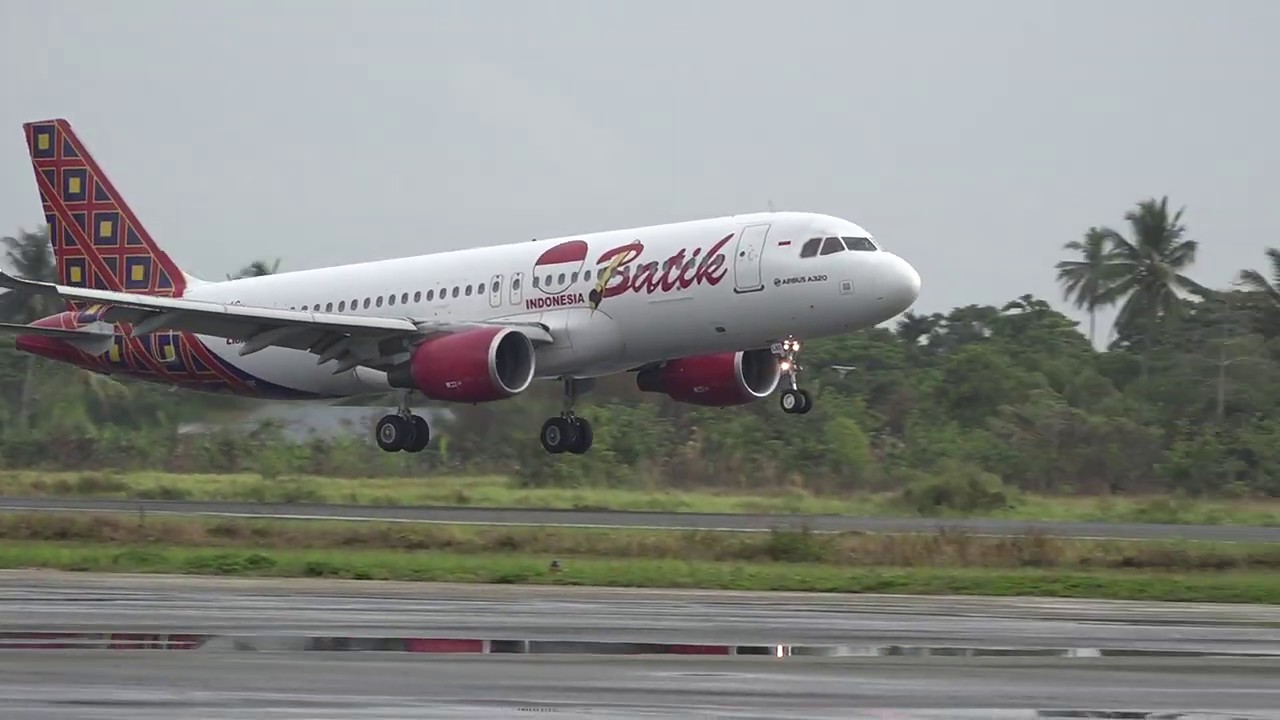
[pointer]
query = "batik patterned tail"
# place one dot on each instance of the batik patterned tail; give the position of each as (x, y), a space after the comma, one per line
(98, 241)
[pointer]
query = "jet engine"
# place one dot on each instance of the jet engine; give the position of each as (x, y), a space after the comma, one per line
(720, 380)
(472, 366)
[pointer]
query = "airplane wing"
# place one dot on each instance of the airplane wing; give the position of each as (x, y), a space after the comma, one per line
(353, 339)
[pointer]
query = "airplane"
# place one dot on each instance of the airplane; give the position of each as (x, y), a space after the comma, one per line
(709, 312)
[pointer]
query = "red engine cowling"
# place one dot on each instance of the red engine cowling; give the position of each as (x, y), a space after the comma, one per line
(471, 366)
(720, 380)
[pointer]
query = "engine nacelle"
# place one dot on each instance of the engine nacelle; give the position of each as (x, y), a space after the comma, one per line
(720, 380)
(472, 366)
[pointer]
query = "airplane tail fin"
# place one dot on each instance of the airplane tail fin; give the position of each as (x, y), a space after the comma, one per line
(98, 242)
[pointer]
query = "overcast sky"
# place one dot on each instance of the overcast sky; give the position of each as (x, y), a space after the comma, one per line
(974, 138)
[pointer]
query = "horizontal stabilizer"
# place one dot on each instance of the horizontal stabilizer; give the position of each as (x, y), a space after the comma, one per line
(94, 342)
(53, 332)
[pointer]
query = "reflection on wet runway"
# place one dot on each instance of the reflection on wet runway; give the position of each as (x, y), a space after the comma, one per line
(110, 647)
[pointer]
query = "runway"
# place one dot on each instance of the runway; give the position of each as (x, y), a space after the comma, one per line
(649, 520)
(269, 648)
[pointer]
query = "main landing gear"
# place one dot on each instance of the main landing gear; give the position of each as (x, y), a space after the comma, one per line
(793, 400)
(403, 431)
(568, 432)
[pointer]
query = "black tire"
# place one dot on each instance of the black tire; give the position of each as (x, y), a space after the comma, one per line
(792, 402)
(808, 402)
(557, 435)
(420, 435)
(391, 433)
(582, 436)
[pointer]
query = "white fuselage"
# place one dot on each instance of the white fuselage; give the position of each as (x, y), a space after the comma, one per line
(751, 290)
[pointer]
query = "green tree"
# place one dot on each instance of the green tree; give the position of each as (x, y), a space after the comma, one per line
(1147, 271)
(1264, 294)
(31, 256)
(1085, 281)
(257, 268)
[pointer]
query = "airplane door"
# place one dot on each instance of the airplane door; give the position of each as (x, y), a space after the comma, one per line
(495, 291)
(517, 279)
(746, 260)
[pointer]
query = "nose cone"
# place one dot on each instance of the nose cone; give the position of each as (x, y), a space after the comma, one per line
(903, 285)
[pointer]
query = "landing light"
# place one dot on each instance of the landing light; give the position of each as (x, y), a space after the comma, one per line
(784, 366)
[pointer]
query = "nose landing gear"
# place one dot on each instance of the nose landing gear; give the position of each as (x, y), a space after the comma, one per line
(793, 400)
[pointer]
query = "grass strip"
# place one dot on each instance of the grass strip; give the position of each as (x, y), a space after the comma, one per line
(497, 491)
(947, 549)
(1251, 587)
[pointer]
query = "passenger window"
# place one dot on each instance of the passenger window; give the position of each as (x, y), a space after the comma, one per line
(832, 245)
(379, 301)
(479, 288)
(342, 306)
(391, 299)
(404, 298)
(515, 284)
(417, 296)
(366, 303)
(859, 244)
(546, 280)
(455, 291)
(495, 286)
(468, 291)
(328, 307)
(561, 278)
(810, 247)
(430, 294)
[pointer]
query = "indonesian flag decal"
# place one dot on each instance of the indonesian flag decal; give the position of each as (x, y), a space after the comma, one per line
(556, 267)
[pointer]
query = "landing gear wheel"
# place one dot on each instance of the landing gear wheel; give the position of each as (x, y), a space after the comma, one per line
(393, 432)
(558, 435)
(420, 435)
(568, 433)
(795, 402)
(808, 402)
(582, 436)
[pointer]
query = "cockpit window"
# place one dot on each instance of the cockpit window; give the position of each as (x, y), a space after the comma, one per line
(810, 247)
(832, 245)
(860, 244)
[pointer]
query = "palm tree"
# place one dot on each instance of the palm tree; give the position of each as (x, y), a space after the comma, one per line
(1146, 272)
(31, 256)
(257, 268)
(1084, 281)
(1265, 293)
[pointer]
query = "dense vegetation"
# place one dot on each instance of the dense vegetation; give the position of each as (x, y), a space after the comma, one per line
(963, 408)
